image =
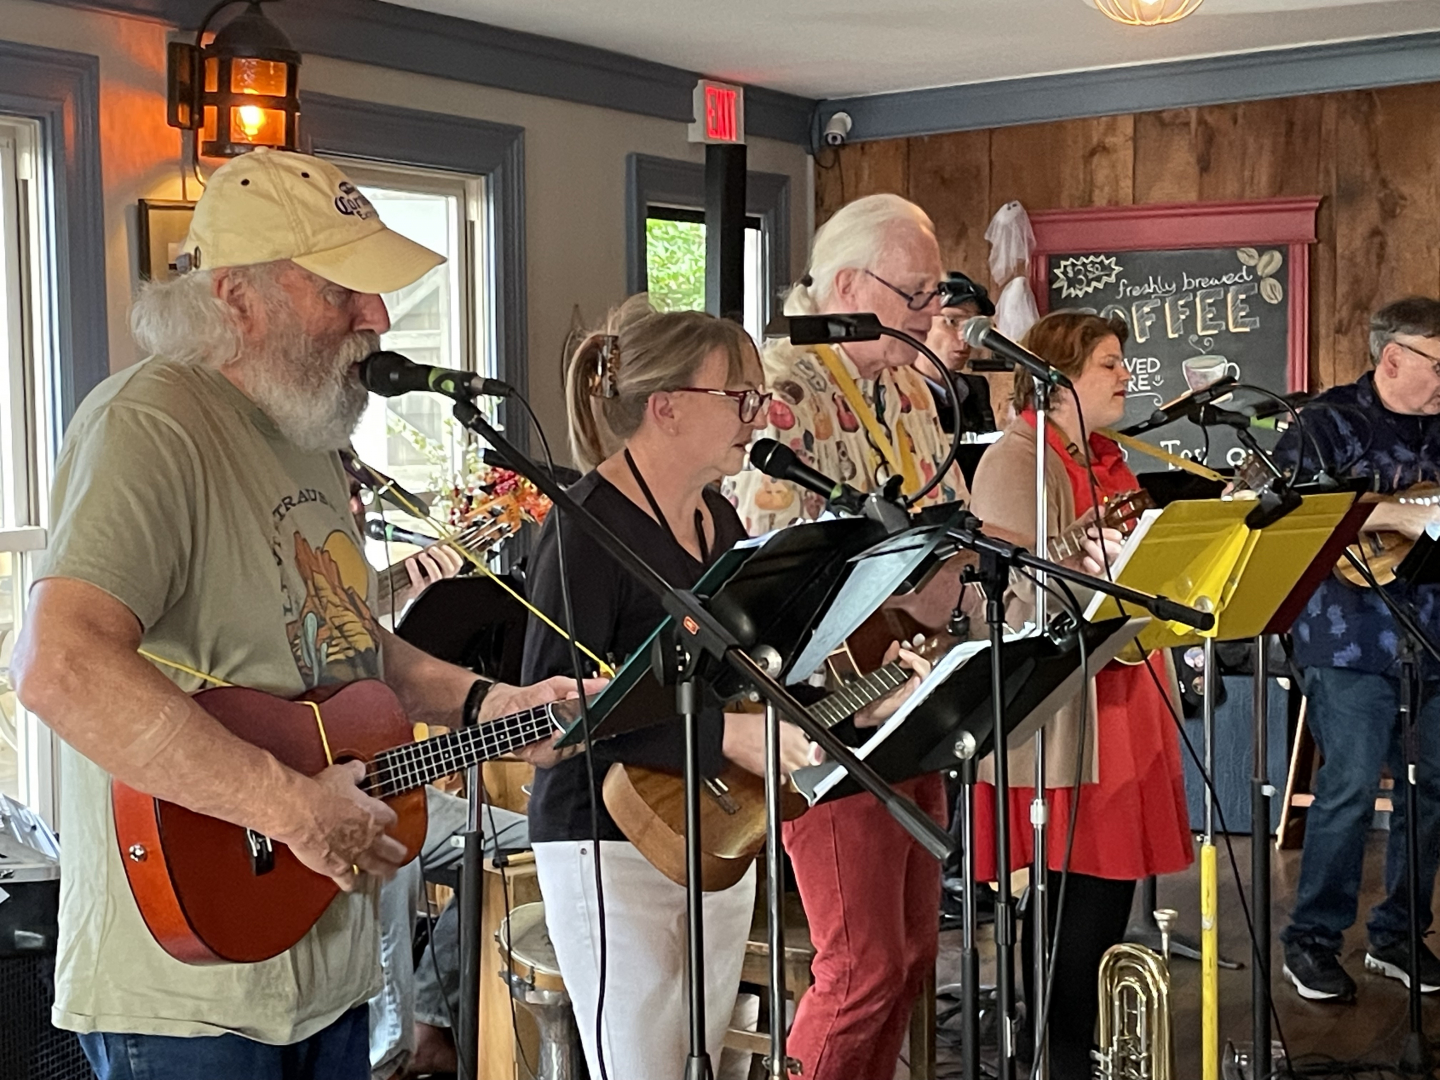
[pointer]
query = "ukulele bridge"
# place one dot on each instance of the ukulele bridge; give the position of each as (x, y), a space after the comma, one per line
(262, 852)
(721, 794)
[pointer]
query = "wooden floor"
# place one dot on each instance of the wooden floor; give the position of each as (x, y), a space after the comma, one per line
(1371, 1029)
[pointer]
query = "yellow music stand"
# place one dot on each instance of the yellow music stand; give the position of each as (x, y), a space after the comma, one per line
(1202, 554)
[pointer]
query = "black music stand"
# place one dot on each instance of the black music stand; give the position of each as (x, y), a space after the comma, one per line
(799, 593)
(470, 621)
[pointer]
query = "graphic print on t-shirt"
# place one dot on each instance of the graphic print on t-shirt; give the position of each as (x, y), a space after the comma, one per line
(334, 638)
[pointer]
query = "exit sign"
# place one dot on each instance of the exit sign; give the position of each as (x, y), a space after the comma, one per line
(719, 113)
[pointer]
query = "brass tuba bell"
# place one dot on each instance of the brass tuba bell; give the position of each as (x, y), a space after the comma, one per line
(1135, 1042)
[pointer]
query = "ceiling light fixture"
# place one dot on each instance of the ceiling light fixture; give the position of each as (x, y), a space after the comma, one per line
(1147, 12)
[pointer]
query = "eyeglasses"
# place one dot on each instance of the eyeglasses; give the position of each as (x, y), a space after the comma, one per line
(1434, 360)
(751, 402)
(916, 301)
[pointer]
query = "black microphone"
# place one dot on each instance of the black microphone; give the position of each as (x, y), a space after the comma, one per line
(1185, 407)
(778, 460)
(827, 329)
(380, 529)
(390, 374)
(980, 333)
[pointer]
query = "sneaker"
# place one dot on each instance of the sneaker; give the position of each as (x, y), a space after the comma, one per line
(1317, 973)
(1393, 962)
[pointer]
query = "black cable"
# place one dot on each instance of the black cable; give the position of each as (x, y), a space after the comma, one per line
(568, 614)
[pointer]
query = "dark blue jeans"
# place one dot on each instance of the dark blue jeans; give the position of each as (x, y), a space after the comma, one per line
(338, 1052)
(1353, 717)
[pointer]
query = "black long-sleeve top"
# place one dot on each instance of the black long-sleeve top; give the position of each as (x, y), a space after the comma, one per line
(614, 614)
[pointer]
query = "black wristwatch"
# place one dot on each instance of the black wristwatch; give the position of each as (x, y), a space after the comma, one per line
(470, 711)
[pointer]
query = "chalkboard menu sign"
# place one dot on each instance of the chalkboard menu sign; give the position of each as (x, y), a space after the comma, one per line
(1194, 315)
(1205, 289)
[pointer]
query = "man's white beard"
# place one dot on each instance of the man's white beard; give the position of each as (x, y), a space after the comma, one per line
(304, 384)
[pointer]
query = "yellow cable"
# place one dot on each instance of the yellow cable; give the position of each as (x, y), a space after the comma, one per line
(182, 667)
(448, 535)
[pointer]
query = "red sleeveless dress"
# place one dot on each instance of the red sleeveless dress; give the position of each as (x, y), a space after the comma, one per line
(1133, 822)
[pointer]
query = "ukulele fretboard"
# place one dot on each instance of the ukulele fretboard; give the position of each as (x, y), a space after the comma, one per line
(404, 767)
(854, 696)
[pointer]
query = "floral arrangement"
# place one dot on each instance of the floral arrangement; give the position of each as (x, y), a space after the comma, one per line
(480, 489)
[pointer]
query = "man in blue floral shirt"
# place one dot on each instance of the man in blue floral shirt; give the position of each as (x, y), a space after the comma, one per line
(1385, 427)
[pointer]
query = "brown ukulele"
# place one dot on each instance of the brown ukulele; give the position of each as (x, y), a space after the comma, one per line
(212, 892)
(649, 804)
(1384, 550)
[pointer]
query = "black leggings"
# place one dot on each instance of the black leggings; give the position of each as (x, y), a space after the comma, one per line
(1097, 912)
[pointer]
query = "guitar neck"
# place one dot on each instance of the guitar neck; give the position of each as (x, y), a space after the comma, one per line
(854, 696)
(476, 539)
(1068, 544)
(402, 768)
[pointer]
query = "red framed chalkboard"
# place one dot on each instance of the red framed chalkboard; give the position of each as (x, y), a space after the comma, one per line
(1249, 227)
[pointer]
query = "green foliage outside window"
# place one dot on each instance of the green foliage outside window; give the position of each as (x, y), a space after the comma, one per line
(675, 264)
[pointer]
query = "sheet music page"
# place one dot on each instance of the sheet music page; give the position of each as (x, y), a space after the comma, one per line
(1148, 518)
(831, 774)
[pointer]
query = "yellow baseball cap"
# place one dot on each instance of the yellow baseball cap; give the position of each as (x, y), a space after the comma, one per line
(270, 205)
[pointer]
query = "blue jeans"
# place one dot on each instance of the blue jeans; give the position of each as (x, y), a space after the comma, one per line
(339, 1052)
(1353, 717)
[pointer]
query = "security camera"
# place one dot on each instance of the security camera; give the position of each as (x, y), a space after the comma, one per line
(837, 129)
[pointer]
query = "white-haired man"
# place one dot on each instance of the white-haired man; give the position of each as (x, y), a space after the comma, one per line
(861, 413)
(201, 514)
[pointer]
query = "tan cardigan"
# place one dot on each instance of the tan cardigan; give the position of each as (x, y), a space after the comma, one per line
(1003, 496)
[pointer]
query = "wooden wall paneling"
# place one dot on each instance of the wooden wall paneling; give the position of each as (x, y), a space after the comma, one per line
(950, 180)
(1322, 255)
(1089, 162)
(865, 169)
(1387, 209)
(1166, 153)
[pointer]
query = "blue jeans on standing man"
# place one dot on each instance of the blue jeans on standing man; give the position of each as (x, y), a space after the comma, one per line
(338, 1052)
(1353, 716)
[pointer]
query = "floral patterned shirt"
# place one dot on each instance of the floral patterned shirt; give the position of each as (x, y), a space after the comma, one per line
(1344, 626)
(810, 414)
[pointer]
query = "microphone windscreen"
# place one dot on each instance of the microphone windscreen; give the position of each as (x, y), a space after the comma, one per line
(389, 374)
(825, 329)
(771, 457)
(973, 330)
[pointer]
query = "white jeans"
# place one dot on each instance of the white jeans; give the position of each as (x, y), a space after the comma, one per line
(646, 1021)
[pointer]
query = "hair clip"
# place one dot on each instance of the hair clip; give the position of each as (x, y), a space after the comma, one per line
(807, 281)
(607, 365)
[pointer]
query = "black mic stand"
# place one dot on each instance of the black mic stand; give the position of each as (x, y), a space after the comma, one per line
(699, 635)
(1416, 1057)
(997, 559)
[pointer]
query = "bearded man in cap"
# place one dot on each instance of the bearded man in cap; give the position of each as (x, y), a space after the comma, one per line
(201, 515)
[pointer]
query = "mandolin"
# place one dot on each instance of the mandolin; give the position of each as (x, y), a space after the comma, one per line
(649, 804)
(212, 892)
(1383, 551)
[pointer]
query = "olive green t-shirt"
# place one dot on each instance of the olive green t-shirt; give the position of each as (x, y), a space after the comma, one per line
(237, 553)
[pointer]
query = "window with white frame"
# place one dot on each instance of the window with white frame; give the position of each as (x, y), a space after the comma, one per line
(26, 395)
(442, 319)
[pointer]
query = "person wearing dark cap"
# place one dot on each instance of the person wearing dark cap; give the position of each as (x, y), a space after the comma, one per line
(962, 299)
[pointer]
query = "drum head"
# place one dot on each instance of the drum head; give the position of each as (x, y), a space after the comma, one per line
(525, 942)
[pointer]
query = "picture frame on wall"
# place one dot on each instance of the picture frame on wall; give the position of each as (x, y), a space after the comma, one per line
(161, 228)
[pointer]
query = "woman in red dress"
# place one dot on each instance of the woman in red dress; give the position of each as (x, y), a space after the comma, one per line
(1132, 820)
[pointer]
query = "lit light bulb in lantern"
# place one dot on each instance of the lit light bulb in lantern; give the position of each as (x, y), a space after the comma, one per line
(252, 119)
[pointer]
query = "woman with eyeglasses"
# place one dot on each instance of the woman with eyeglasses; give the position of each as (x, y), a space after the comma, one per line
(861, 413)
(661, 408)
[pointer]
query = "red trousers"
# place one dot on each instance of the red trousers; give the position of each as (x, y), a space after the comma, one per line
(872, 898)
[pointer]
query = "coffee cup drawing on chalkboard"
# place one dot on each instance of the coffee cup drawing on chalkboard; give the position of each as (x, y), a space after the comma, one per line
(1201, 371)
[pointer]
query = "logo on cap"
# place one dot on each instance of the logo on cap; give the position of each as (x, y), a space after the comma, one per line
(351, 202)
